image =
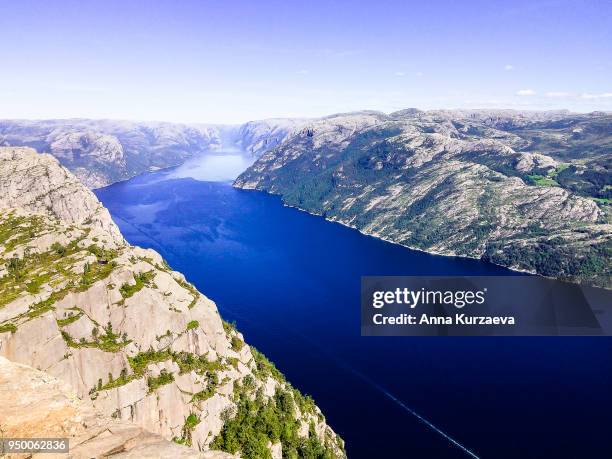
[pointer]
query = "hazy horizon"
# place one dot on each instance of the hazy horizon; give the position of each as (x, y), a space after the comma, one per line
(191, 123)
(228, 63)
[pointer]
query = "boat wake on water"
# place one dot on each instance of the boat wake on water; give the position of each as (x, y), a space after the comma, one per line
(374, 385)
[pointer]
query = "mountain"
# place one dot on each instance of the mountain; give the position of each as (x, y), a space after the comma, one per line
(101, 152)
(130, 336)
(527, 190)
(257, 137)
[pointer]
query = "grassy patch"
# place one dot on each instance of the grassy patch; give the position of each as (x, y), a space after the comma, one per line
(560, 168)
(108, 342)
(192, 290)
(70, 319)
(193, 324)
(15, 231)
(122, 380)
(229, 327)
(34, 285)
(541, 180)
(265, 368)
(190, 362)
(140, 281)
(191, 422)
(154, 382)
(103, 255)
(93, 273)
(9, 327)
(28, 273)
(237, 343)
(140, 362)
(40, 308)
(211, 387)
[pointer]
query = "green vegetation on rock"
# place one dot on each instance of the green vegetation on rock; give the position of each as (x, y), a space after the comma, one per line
(192, 290)
(108, 342)
(70, 319)
(237, 343)
(32, 271)
(140, 281)
(541, 180)
(8, 327)
(212, 382)
(191, 422)
(256, 421)
(486, 184)
(154, 382)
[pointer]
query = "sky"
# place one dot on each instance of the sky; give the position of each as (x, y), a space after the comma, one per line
(233, 61)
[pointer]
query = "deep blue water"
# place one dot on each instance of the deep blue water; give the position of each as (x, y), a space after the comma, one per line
(291, 282)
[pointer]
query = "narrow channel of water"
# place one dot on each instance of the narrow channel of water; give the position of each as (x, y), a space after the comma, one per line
(291, 282)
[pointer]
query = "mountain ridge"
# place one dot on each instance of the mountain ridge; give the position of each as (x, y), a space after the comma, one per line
(529, 191)
(103, 151)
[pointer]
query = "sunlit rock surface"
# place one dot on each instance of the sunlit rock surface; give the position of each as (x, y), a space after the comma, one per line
(127, 333)
(527, 190)
(37, 405)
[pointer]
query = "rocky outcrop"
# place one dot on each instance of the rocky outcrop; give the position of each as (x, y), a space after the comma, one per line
(35, 184)
(125, 331)
(530, 191)
(37, 405)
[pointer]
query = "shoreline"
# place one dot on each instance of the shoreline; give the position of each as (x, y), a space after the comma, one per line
(429, 252)
(232, 183)
(154, 170)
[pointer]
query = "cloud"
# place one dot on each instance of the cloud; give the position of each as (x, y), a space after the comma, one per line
(508, 67)
(526, 92)
(400, 74)
(603, 95)
(558, 94)
(419, 74)
(302, 72)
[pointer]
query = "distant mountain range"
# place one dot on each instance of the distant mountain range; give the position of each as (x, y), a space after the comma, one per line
(101, 152)
(527, 190)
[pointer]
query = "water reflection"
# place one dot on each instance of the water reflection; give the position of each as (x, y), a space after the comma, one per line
(213, 167)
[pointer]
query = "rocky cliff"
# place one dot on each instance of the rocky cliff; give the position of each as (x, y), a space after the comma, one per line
(527, 190)
(37, 405)
(257, 137)
(120, 328)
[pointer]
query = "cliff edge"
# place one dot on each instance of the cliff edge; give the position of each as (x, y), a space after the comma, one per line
(125, 331)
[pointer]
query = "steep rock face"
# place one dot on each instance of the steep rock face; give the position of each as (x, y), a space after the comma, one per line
(35, 404)
(456, 183)
(257, 137)
(121, 328)
(36, 184)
